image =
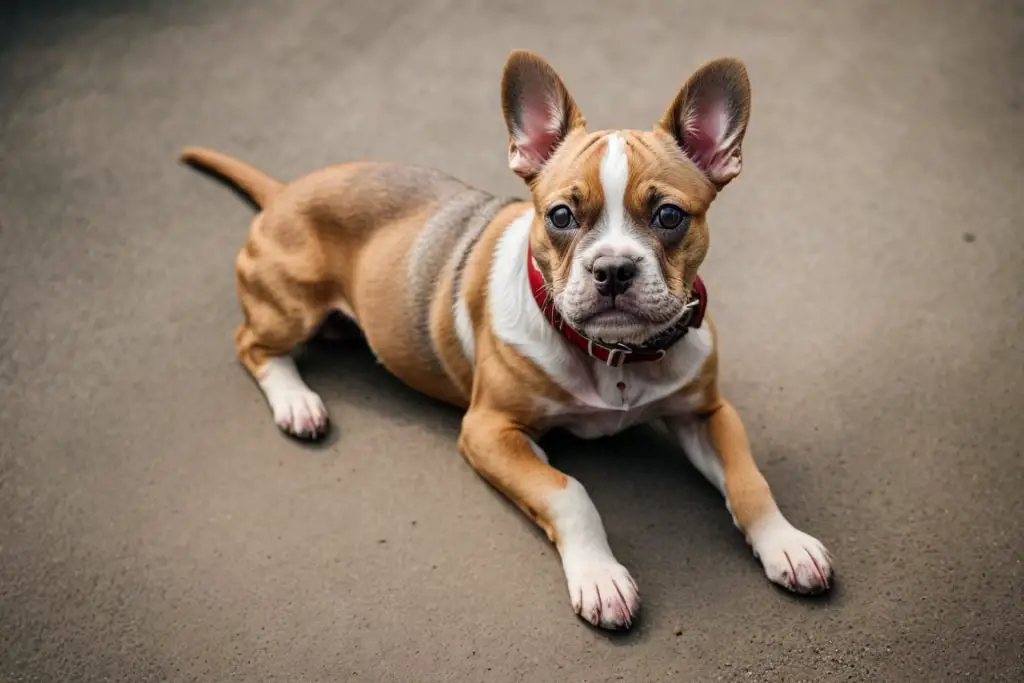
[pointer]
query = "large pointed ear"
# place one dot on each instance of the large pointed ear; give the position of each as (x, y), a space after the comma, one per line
(708, 118)
(539, 112)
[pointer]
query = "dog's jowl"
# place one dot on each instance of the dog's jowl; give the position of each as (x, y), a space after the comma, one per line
(580, 308)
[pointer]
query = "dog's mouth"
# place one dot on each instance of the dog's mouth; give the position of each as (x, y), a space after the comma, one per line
(627, 309)
(614, 317)
(622, 320)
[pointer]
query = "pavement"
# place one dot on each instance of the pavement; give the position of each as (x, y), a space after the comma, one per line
(866, 275)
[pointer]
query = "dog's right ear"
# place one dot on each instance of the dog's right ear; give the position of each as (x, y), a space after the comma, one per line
(539, 112)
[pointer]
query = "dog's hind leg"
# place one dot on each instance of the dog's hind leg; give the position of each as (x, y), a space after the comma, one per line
(280, 312)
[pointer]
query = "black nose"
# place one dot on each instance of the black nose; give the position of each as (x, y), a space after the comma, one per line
(613, 274)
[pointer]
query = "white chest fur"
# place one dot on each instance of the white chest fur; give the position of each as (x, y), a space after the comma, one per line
(614, 399)
(606, 399)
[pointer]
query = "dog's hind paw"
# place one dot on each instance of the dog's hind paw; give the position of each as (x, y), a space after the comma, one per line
(300, 413)
(297, 410)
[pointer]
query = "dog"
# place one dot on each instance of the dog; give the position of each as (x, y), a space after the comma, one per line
(579, 309)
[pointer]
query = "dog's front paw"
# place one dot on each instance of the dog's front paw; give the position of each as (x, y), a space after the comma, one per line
(793, 559)
(603, 593)
(300, 413)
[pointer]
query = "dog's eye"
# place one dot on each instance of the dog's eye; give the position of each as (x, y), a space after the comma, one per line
(561, 217)
(669, 217)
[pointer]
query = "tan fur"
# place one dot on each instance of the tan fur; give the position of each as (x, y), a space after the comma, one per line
(496, 446)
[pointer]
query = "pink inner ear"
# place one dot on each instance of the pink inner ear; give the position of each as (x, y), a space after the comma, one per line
(541, 130)
(704, 136)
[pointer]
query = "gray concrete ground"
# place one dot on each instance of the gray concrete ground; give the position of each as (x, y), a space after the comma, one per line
(866, 273)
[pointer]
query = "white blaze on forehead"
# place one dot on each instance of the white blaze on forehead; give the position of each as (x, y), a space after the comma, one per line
(614, 177)
(614, 234)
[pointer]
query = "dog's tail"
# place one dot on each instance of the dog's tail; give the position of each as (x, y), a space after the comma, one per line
(257, 184)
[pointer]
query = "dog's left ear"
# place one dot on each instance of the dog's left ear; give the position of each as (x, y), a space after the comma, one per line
(708, 118)
(539, 112)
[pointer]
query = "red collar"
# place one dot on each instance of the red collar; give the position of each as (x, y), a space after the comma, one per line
(618, 354)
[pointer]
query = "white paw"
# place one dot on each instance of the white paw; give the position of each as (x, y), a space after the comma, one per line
(300, 412)
(601, 590)
(297, 409)
(603, 593)
(793, 559)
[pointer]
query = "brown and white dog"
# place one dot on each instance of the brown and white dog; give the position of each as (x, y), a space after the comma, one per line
(580, 308)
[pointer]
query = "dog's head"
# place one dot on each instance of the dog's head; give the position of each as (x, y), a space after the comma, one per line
(620, 225)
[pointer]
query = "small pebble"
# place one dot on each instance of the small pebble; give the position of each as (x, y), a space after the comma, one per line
(968, 237)
(678, 631)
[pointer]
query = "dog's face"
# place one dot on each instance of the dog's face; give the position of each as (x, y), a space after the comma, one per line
(620, 225)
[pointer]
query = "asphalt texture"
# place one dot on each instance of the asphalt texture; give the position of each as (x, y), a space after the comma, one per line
(866, 275)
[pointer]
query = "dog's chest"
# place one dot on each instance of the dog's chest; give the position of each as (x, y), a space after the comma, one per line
(615, 399)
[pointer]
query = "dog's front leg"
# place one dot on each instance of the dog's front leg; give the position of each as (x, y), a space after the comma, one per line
(601, 589)
(716, 443)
